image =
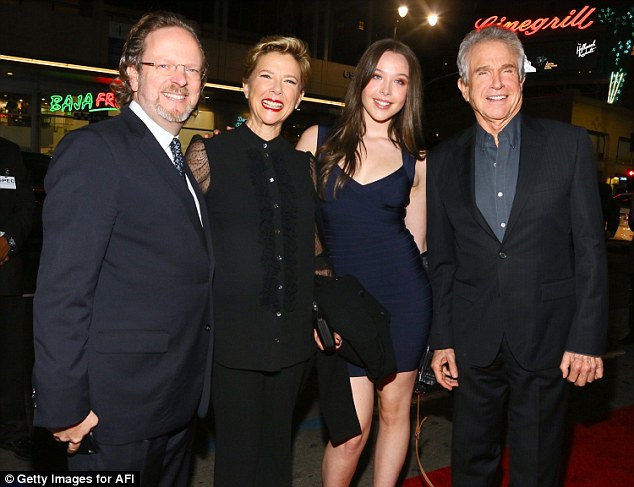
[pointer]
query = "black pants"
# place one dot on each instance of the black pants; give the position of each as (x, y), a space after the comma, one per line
(534, 405)
(162, 461)
(15, 369)
(254, 419)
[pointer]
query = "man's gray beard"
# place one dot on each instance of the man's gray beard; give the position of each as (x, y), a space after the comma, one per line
(171, 117)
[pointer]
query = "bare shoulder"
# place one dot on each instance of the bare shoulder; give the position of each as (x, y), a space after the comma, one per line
(308, 141)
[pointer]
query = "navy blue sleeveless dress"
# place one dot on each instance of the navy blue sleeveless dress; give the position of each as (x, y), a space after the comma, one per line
(365, 234)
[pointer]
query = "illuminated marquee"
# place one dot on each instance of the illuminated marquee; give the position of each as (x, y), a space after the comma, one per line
(574, 19)
(104, 101)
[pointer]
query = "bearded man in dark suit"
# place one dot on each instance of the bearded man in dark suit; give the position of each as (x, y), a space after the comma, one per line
(123, 333)
(518, 268)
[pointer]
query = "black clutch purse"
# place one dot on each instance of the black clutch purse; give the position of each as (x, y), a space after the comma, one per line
(426, 379)
(323, 329)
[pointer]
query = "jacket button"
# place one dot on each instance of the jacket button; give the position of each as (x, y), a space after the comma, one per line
(207, 327)
(502, 255)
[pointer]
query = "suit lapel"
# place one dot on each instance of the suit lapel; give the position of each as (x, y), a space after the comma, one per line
(531, 163)
(161, 162)
(204, 215)
(465, 157)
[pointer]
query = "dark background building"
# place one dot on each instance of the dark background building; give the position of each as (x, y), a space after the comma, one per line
(571, 82)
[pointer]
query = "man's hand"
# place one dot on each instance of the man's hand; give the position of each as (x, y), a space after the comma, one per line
(581, 369)
(5, 249)
(443, 363)
(75, 434)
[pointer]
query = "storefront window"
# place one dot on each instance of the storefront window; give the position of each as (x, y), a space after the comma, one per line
(623, 154)
(598, 143)
(61, 113)
(15, 118)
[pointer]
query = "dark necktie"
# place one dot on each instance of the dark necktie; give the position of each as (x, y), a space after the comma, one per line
(179, 160)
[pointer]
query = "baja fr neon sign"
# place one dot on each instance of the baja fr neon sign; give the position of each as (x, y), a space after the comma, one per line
(84, 103)
(574, 19)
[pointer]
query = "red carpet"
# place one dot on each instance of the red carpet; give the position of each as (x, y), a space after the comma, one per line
(602, 455)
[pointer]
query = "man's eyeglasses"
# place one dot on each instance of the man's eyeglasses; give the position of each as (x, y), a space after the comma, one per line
(165, 68)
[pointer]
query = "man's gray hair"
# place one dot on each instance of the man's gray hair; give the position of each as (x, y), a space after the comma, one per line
(492, 33)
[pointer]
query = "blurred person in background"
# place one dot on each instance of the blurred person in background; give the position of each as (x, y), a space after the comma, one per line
(610, 210)
(16, 215)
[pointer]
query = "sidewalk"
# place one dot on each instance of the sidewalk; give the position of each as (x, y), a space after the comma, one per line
(614, 391)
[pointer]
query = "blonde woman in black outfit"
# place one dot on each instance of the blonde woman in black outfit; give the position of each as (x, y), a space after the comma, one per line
(260, 198)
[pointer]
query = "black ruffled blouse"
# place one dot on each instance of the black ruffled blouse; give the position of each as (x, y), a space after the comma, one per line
(261, 206)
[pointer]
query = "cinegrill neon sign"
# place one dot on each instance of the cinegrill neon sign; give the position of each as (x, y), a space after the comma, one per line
(574, 19)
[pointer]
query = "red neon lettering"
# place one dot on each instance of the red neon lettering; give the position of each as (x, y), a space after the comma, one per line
(577, 23)
(511, 25)
(574, 19)
(537, 25)
(525, 25)
(110, 100)
(101, 97)
(481, 24)
(554, 23)
(107, 99)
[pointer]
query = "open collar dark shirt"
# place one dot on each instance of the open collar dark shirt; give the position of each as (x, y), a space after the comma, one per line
(496, 170)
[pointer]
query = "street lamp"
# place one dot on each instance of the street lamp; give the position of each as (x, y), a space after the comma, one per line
(432, 19)
(402, 12)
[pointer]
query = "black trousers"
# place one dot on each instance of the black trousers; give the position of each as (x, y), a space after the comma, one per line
(253, 414)
(162, 461)
(532, 403)
(15, 368)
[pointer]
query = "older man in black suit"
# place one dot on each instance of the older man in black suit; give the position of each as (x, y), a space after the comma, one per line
(123, 331)
(518, 267)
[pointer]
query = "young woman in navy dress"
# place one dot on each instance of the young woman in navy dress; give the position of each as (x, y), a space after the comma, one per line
(371, 183)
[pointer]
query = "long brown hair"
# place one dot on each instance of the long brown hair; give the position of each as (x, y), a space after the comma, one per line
(345, 141)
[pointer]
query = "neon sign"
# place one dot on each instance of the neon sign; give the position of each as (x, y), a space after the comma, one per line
(574, 19)
(583, 49)
(104, 101)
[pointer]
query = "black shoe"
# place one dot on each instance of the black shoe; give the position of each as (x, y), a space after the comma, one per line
(22, 448)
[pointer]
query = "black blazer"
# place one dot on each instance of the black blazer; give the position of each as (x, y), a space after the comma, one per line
(122, 311)
(544, 287)
(16, 214)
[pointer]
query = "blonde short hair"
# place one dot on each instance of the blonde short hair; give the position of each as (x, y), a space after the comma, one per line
(284, 45)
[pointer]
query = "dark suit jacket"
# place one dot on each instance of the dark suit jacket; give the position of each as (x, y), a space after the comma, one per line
(122, 313)
(16, 214)
(544, 287)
